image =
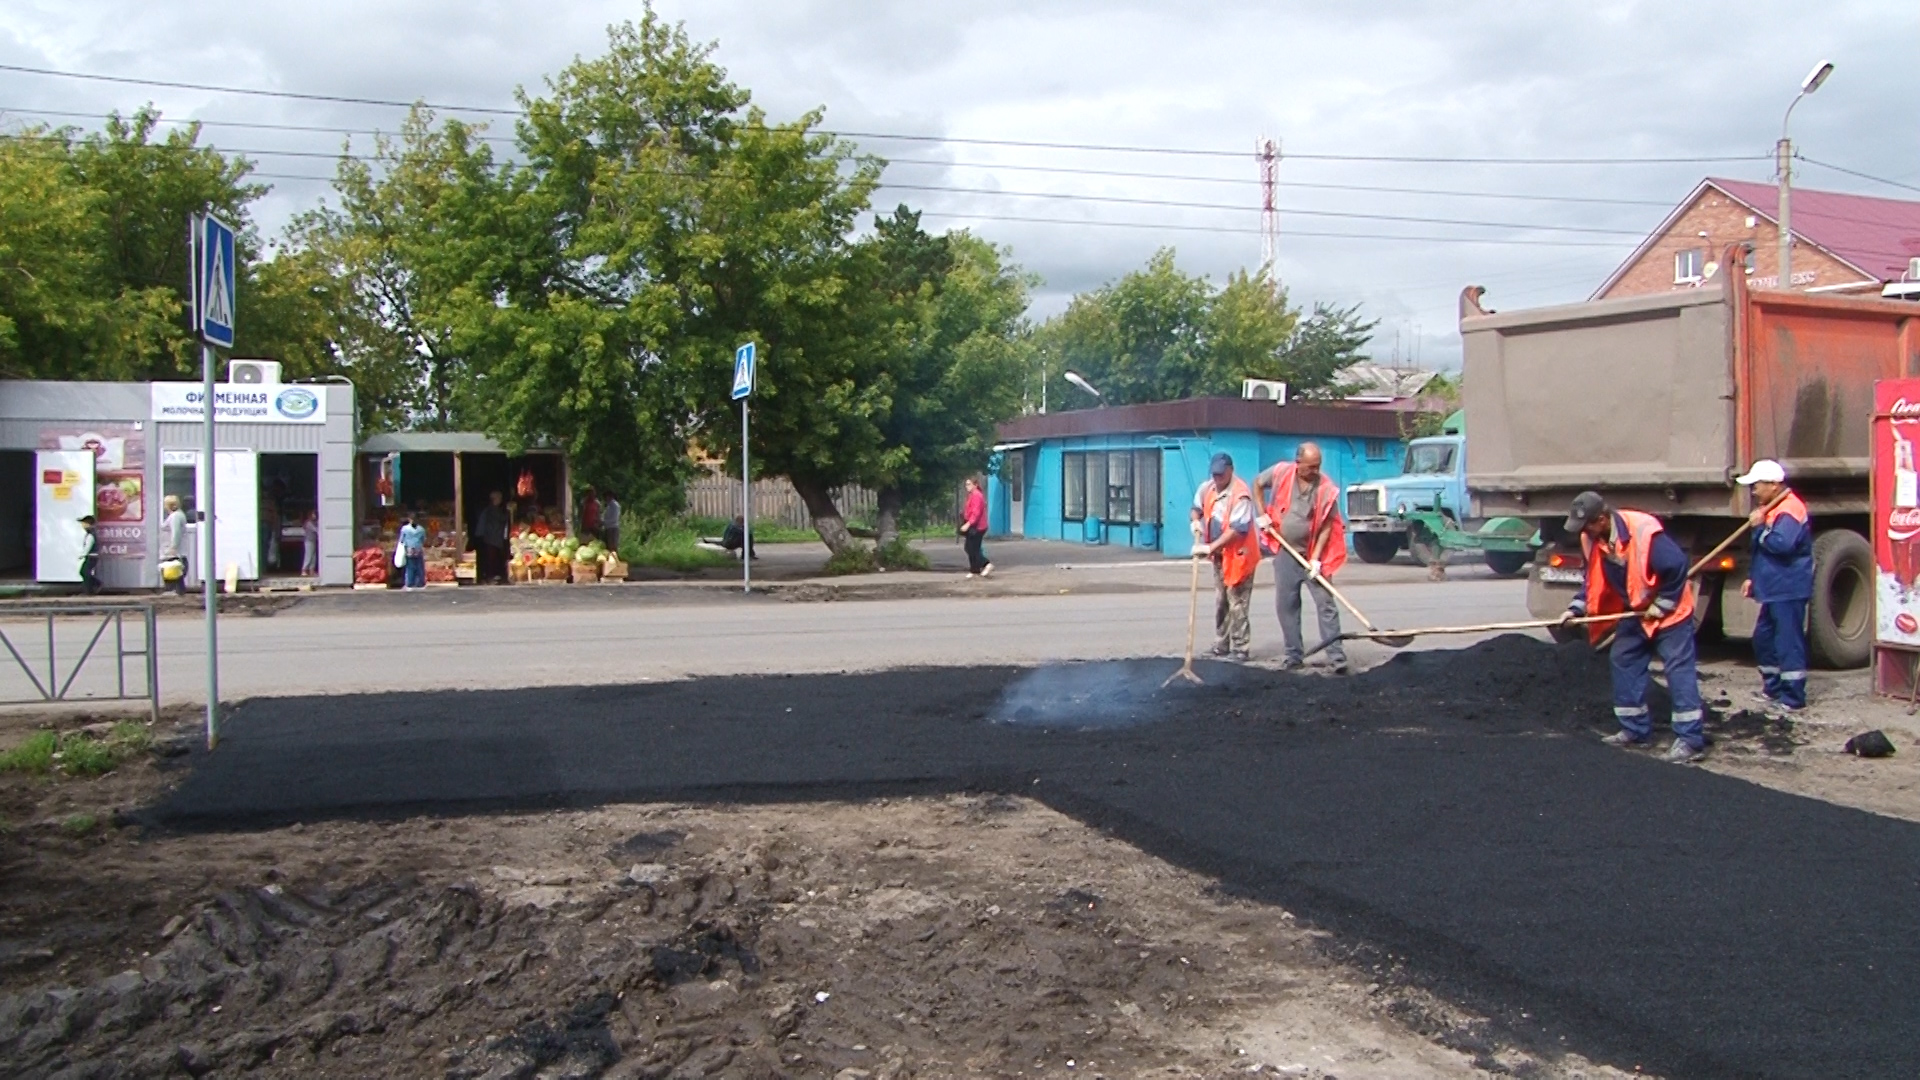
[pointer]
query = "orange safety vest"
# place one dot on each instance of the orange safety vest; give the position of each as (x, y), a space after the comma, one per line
(1239, 558)
(1326, 508)
(1641, 529)
(1790, 506)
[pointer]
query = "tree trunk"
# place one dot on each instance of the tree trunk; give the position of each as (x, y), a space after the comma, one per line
(887, 515)
(826, 516)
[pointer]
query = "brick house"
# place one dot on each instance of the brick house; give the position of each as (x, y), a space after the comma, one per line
(1842, 243)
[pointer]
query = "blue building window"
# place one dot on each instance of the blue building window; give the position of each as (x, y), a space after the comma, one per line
(1073, 486)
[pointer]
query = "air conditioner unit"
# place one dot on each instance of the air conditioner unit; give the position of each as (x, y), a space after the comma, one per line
(1264, 390)
(253, 371)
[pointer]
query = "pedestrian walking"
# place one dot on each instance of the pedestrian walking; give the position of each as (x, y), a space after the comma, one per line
(1223, 523)
(973, 530)
(413, 548)
(490, 538)
(310, 543)
(89, 559)
(1633, 565)
(610, 522)
(1304, 506)
(173, 546)
(1780, 577)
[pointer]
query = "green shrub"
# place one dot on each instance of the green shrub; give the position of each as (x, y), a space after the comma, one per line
(79, 824)
(858, 559)
(76, 753)
(671, 546)
(901, 555)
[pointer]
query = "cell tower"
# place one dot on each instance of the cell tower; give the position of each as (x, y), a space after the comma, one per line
(1267, 152)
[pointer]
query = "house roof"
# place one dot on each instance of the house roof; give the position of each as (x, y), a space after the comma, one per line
(1208, 414)
(1872, 235)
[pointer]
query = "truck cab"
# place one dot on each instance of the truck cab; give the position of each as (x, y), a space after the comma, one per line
(1432, 478)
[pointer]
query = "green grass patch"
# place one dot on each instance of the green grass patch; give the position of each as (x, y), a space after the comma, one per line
(762, 533)
(79, 824)
(76, 753)
(858, 559)
(32, 756)
(672, 546)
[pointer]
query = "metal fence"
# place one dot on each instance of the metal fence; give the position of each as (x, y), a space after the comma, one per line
(776, 503)
(39, 637)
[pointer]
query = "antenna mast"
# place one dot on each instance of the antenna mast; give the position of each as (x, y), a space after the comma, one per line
(1267, 151)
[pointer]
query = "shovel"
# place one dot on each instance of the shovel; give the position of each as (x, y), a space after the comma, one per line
(1193, 608)
(1374, 633)
(1481, 628)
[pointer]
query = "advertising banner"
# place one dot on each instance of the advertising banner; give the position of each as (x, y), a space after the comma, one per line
(119, 481)
(240, 403)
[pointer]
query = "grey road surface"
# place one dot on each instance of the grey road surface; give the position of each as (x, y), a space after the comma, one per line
(298, 652)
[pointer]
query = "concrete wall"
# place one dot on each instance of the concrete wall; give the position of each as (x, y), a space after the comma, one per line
(1184, 462)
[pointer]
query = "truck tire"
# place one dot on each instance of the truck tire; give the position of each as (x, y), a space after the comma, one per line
(1376, 547)
(1509, 563)
(1840, 618)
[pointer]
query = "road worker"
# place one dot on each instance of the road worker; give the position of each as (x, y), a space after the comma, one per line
(1223, 515)
(1304, 508)
(1780, 577)
(1633, 565)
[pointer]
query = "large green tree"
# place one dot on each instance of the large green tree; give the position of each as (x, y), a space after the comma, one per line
(93, 241)
(1160, 334)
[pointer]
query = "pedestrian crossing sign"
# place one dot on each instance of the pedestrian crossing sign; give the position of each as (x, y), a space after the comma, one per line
(743, 371)
(213, 280)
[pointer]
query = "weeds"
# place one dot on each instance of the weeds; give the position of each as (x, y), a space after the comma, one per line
(858, 559)
(76, 753)
(79, 824)
(671, 546)
(901, 555)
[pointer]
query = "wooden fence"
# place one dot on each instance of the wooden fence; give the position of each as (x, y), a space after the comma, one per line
(775, 502)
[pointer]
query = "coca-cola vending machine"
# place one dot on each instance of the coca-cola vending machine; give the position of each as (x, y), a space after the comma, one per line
(1896, 536)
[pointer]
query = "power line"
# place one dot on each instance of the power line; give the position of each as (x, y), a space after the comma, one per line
(952, 190)
(1293, 232)
(944, 139)
(1861, 175)
(984, 165)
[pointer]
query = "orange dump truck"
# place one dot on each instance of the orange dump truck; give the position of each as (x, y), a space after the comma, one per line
(1658, 402)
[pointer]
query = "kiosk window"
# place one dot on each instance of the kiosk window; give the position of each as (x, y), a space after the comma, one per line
(1073, 487)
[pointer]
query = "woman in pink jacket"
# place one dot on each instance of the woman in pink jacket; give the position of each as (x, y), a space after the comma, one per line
(973, 526)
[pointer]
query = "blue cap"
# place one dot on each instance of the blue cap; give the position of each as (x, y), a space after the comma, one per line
(1222, 464)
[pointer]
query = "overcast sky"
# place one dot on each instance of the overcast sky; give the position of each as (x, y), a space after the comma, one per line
(1386, 78)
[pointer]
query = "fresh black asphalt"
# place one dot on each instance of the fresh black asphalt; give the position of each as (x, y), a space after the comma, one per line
(1450, 810)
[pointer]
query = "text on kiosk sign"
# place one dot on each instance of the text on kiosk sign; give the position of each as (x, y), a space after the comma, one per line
(239, 403)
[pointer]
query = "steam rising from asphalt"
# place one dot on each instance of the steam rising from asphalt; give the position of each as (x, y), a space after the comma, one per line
(1088, 696)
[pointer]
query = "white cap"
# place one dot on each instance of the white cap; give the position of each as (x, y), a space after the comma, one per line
(1766, 469)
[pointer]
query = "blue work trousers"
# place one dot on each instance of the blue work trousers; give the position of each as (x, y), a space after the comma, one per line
(1780, 645)
(1632, 653)
(414, 576)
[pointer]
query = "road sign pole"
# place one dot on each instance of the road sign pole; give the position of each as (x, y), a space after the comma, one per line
(746, 503)
(209, 570)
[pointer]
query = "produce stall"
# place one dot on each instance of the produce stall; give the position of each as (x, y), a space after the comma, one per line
(444, 480)
(555, 557)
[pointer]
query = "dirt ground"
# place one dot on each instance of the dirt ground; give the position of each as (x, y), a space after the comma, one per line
(954, 935)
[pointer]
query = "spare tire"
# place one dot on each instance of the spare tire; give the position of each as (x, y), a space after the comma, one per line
(1840, 617)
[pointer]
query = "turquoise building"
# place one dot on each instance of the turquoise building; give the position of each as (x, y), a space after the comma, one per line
(1127, 475)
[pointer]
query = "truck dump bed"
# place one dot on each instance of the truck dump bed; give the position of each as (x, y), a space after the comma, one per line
(1659, 401)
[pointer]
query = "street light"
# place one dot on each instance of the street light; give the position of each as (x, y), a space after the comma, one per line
(1074, 378)
(1784, 150)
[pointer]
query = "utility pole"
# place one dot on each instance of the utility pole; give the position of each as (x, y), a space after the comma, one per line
(1783, 151)
(1267, 152)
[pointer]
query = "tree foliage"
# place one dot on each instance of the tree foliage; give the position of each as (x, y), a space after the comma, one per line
(93, 256)
(1159, 334)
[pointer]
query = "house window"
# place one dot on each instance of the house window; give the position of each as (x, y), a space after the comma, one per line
(1376, 449)
(1747, 261)
(1689, 266)
(1120, 487)
(1073, 487)
(1146, 487)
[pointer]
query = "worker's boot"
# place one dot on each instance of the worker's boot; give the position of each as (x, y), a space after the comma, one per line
(1683, 754)
(1626, 740)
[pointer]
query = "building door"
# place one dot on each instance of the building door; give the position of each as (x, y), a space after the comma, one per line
(65, 494)
(1013, 473)
(236, 525)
